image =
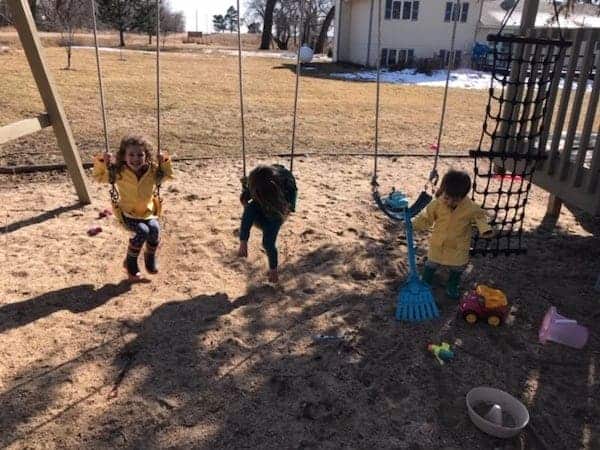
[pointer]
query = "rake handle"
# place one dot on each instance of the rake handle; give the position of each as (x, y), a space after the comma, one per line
(412, 260)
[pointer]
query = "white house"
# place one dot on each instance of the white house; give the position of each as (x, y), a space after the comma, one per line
(413, 29)
(410, 29)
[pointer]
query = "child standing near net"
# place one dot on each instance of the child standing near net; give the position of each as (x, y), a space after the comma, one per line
(268, 200)
(452, 215)
(134, 173)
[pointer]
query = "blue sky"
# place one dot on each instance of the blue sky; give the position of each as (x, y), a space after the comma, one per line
(206, 9)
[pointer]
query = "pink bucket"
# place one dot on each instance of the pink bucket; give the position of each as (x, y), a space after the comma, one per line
(557, 328)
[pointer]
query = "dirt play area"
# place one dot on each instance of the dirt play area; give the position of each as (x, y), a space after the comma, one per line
(208, 355)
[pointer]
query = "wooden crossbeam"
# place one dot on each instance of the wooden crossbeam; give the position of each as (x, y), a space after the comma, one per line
(23, 128)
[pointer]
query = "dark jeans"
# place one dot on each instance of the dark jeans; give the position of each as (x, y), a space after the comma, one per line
(145, 231)
(253, 215)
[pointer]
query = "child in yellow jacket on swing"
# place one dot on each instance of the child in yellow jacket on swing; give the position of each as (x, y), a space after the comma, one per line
(452, 214)
(138, 208)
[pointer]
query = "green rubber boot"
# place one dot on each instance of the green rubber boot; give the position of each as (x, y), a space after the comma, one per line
(453, 286)
(427, 275)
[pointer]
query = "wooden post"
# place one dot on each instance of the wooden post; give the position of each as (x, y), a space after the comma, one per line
(554, 206)
(30, 41)
(528, 15)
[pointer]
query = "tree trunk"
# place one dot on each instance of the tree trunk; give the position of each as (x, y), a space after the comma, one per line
(324, 29)
(69, 57)
(122, 38)
(267, 25)
(149, 38)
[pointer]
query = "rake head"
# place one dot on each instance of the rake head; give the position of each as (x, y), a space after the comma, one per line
(415, 302)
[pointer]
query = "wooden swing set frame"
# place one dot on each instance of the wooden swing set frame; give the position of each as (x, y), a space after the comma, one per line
(55, 114)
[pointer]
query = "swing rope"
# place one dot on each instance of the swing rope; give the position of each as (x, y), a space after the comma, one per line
(241, 90)
(241, 94)
(298, 68)
(114, 193)
(374, 182)
(159, 172)
(434, 175)
(424, 197)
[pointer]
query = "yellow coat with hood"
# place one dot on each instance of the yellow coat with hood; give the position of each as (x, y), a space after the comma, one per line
(450, 240)
(136, 195)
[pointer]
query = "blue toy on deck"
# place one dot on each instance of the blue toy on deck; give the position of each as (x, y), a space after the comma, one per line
(415, 301)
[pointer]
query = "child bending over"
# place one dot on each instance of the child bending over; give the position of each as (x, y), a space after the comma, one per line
(268, 200)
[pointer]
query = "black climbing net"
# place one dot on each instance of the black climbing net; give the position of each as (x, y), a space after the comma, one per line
(523, 77)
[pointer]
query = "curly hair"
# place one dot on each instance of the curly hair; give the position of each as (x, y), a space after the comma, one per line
(455, 184)
(133, 140)
(265, 189)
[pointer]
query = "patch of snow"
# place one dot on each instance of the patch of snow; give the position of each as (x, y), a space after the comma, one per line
(461, 79)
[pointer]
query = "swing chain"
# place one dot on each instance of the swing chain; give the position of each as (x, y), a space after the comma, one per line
(112, 178)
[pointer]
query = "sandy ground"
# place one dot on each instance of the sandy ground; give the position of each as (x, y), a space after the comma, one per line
(208, 355)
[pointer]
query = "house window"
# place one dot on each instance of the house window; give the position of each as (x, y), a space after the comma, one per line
(401, 56)
(448, 13)
(415, 11)
(391, 57)
(406, 10)
(383, 60)
(445, 57)
(406, 56)
(457, 58)
(455, 12)
(396, 10)
(464, 14)
(388, 9)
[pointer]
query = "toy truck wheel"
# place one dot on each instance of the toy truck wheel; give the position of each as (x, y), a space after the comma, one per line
(494, 321)
(470, 317)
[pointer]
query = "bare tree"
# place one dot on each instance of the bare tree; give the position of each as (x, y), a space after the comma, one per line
(65, 16)
(320, 45)
(267, 33)
(284, 16)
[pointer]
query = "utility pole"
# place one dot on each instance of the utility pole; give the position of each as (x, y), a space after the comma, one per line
(196, 20)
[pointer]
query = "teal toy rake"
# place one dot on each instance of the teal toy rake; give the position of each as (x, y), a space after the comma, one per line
(415, 301)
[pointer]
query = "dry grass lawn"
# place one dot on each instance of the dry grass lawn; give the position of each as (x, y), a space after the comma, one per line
(200, 107)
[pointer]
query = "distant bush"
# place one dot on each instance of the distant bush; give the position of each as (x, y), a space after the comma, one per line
(428, 65)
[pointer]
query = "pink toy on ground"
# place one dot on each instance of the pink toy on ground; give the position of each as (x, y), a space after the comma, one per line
(557, 328)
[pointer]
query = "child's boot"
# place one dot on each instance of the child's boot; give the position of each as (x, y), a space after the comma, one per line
(150, 259)
(453, 286)
(131, 263)
(427, 275)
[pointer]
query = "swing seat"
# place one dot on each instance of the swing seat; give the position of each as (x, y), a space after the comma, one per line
(395, 203)
(118, 212)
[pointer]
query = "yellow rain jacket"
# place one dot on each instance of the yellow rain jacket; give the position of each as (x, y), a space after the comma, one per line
(452, 228)
(136, 196)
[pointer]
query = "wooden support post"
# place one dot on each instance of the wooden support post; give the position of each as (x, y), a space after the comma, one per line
(30, 41)
(554, 206)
